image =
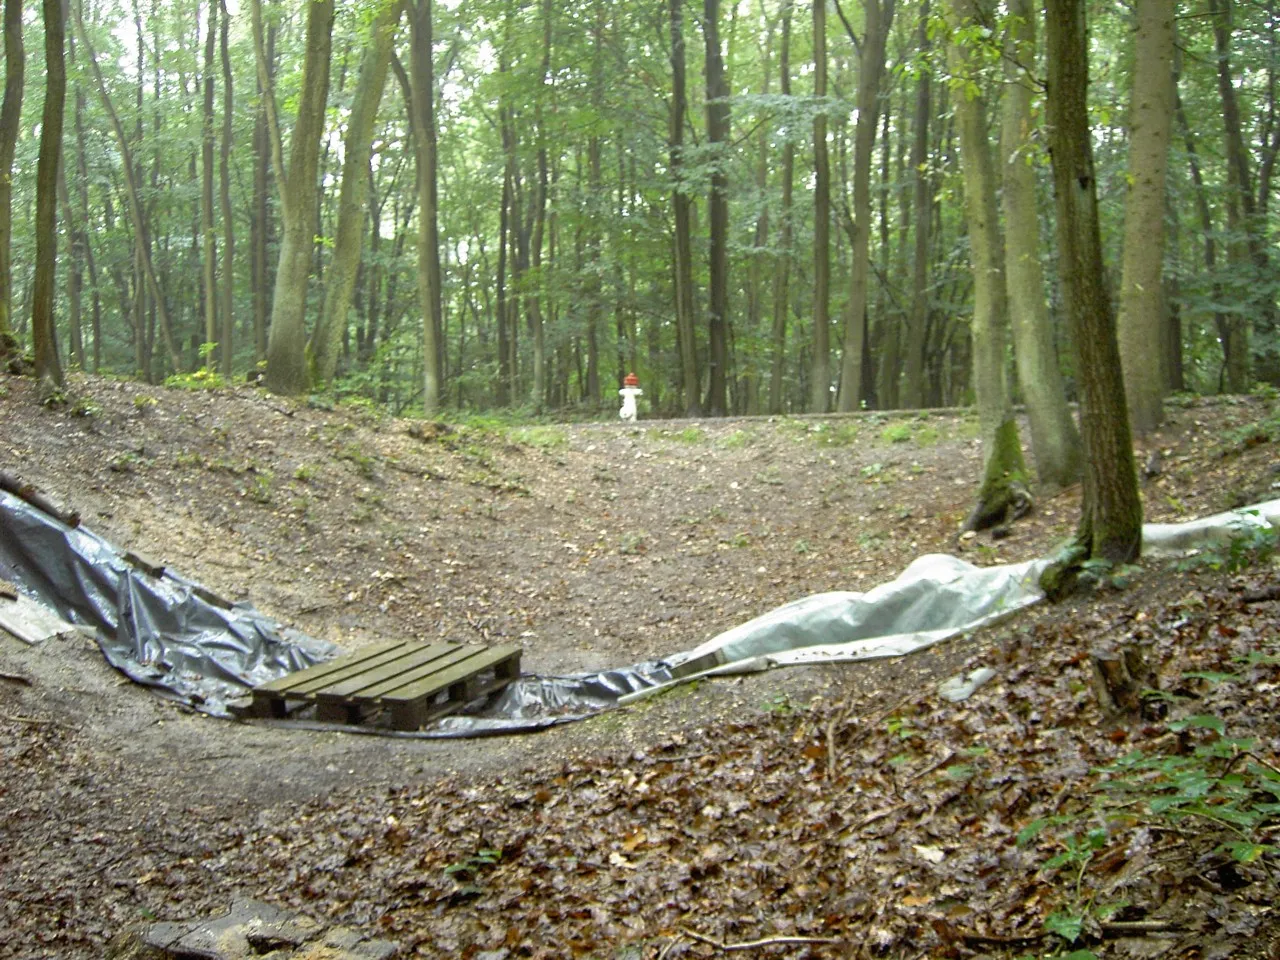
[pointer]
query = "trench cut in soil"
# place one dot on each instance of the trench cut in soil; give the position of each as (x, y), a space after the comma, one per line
(412, 683)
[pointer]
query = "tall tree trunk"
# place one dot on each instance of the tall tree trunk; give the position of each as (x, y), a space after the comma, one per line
(539, 386)
(1240, 180)
(43, 332)
(137, 215)
(717, 404)
(683, 243)
(75, 268)
(260, 220)
(820, 368)
(1111, 511)
(287, 371)
(918, 320)
(1054, 437)
(782, 268)
(340, 278)
(871, 58)
(1142, 304)
(83, 217)
(429, 275)
(1232, 332)
(209, 244)
(595, 199)
(10, 114)
(1003, 453)
(228, 221)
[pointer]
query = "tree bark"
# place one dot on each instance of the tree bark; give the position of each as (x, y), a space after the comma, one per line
(1111, 511)
(782, 268)
(913, 395)
(340, 278)
(683, 243)
(1004, 464)
(820, 368)
(879, 18)
(228, 221)
(209, 243)
(717, 404)
(44, 335)
(10, 115)
(142, 238)
(1054, 437)
(287, 371)
(1142, 305)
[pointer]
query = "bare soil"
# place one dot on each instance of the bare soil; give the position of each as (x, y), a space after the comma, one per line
(592, 545)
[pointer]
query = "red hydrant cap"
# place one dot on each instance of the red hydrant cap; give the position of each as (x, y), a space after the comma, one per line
(631, 380)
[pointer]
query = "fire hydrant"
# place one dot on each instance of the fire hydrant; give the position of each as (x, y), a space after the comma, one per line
(629, 392)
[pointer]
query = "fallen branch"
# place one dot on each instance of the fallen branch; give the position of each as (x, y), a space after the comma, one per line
(1124, 928)
(28, 492)
(754, 944)
(16, 678)
(1264, 595)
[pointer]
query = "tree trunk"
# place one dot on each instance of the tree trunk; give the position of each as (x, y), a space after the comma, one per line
(717, 404)
(870, 70)
(1255, 246)
(820, 368)
(782, 268)
(44, 335)
(340, 278)
(690, 377)
(1054, 437)
(260, 220)
(136, 214)
(209, 244)
(10, 114)
(1004, 469)
(1111, 511)
(539, 387)
(1142, 304)
(287, 371)
(228, 221)
(75, 268)
(913, 395)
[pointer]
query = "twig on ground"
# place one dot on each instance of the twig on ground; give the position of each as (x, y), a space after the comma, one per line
(755, 944)
(1124, 928)
(16, 678)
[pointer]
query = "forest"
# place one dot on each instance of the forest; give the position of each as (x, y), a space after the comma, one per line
(757, 207)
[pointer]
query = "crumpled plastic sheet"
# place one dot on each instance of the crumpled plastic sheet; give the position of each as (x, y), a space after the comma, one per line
(155, 630)
(160, 633)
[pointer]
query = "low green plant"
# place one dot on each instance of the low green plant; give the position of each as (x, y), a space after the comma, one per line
(926, 436)
(364, 462)
(842, 433)
(690, 435)
(144, 402)
(632, 543)
(540, 437)
(259, 489)
(736, 440)
(1254, 542)
(896, 433)
(306, 472)
(204, 378)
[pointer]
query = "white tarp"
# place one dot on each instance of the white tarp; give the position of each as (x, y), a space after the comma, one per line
(937, 596)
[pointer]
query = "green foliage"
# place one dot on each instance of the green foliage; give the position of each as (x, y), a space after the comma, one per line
(1250, 544)
(896, 433)
(736, 440)
(633, 543)
(306, 472)
(365, 464)
(259, 489)
(540, 437)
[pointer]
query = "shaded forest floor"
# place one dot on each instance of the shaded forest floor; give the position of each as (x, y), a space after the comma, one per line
(849, 810)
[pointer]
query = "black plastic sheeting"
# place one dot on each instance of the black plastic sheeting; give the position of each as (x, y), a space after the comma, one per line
(165, 632)
(158, 631)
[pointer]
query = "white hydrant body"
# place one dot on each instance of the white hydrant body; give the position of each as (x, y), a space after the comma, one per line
(628, 411)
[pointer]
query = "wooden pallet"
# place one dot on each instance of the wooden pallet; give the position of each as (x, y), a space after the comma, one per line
(413, 682)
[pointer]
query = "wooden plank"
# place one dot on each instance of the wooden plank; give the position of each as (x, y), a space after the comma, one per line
(412, 712)
(504, 656)
(421, 662)
(31, 622)
(328, 668)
